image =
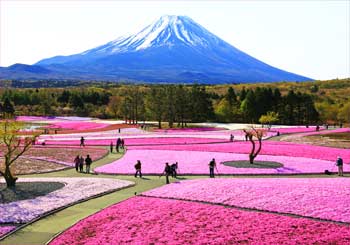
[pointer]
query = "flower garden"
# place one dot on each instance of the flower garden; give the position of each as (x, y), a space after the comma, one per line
(251, 204)
(159, 221)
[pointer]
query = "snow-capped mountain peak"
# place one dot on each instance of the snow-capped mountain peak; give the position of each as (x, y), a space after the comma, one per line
(172, 49)
(168, 30)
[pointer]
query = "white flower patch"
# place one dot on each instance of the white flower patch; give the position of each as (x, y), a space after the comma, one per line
(75, 189)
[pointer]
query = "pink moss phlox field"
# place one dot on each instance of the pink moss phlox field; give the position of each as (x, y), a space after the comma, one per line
(75, 189)
(325, 198)
(33, 118)
(185, 130)
(275, 148)
(48, 118)
(142, 220)
(6, 229)
(137, 141)
(293, 130)
(64, 155)
(77, 125)
(194, 162)
(331, 131)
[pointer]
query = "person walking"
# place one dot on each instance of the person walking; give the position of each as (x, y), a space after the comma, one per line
(167, 171)
(76, 163)
(138, 168)
(122, 143)
(232, 137)
(212, 165)
(111, 146)
(82, 142)
(174, 168)
(81, 164)
(117, 145)
(88, 162)
(339, 164)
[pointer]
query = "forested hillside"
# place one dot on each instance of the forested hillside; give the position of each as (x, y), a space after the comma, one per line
(285, 103)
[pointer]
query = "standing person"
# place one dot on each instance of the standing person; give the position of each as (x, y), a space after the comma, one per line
(81, 164)
(82, 141)
(232, 137)
(167, 171)
(138, 168)
(340, 166)
(174, 168)
(111, 146)
(118, 144)
(88, 162)
(246, 136)
(118, 130)
(122, 143)
(76, 163)
(212, 165)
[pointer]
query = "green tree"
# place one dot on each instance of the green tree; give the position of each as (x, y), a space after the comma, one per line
(155, 105)
(344, 113)
(13, 146)
(269, 118)
(8, 108)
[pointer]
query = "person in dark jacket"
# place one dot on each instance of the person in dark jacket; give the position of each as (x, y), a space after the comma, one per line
(111, 146)
(81, 164)
(88, 163)
(339, 164)
(138, 168)
(167, 171)
(117, 144)
(76, 163)
(212, 165)
(174, 168)
(122, 143)
(82, 142)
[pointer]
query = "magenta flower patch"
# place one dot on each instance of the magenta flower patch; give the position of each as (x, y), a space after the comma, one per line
(6, 229)
(142, 220)
(196, 162)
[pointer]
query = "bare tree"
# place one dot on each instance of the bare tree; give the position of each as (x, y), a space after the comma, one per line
(13, 146)
(251, 134)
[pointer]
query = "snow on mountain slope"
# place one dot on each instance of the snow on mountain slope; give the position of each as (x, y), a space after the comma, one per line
(167, 31)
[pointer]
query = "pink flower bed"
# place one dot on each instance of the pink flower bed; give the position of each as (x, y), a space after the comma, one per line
(194, 162)
(77, 125)
(6, 229)
(135, 141)
(157, 221)
(275, 148)
(293, 130)
(43, 118)
(324, 198)
(186, 130)
(64, 155)
(33, 118)
(331, 131)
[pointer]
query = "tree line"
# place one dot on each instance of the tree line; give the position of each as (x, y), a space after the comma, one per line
(175, 104)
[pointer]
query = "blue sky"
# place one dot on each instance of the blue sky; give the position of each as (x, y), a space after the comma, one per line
(310, 38)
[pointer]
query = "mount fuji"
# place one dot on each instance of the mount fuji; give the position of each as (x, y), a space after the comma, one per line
(173, 49)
